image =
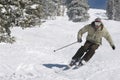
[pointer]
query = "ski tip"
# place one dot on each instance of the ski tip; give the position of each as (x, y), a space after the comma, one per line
(66, 68)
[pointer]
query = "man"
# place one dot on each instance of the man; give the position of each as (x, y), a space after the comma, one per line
(96, 31)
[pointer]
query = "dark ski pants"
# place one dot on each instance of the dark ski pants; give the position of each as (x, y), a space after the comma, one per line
(89, 48)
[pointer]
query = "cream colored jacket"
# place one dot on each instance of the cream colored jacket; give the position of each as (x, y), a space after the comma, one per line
(95, 36)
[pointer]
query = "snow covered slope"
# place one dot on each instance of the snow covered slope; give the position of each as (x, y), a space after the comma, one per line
(32, 56)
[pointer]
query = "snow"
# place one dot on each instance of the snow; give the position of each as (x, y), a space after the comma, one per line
(32, 56)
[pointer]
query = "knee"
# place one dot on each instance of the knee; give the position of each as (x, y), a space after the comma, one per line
(93, 48)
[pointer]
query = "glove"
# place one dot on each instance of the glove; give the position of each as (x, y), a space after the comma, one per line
(79, 40)
(113, 47)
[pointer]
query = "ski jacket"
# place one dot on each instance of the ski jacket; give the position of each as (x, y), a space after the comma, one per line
(95, 35)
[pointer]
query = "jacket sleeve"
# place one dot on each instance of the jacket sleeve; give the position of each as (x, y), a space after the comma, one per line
(107, 36)
(82, 31)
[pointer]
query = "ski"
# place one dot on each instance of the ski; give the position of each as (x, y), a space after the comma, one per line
(76, 66)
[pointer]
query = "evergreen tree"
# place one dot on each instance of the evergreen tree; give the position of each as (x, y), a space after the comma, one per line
(49, 7)
(113, 9)
(25, 13)
(52, 8)
(77, 10)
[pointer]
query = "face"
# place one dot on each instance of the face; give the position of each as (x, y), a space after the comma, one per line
(97, 23)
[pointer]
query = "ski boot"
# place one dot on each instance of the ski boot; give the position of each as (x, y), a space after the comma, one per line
(80, 63)
(73, 62)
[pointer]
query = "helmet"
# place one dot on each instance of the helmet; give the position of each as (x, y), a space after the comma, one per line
(97, 22)
(98, 19)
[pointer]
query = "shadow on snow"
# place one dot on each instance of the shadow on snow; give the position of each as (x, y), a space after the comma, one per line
(55, 65)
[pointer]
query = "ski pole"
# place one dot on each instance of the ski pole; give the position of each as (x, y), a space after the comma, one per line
(65, 46)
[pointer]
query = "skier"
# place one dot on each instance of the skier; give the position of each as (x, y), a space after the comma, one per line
(96, 31)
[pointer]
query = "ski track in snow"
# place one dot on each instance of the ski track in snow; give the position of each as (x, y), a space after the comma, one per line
(32, 56)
